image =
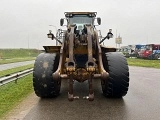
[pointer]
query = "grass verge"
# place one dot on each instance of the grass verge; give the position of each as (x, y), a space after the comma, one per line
(11, 94)
(143, 63)
(13, 70)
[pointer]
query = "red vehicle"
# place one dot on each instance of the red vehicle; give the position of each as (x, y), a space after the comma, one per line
(148, 51)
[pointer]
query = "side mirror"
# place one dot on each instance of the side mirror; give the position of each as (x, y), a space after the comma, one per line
(61, 22)
(50, 35)
(99, 21)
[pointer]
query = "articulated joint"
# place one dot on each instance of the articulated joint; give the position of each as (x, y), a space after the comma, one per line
(91, 66)
(70, 67)
(91, 69)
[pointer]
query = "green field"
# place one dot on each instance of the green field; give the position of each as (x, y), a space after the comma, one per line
(17, 55)
(143, 63)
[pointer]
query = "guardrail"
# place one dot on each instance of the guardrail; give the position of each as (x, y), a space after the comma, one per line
(15, 76)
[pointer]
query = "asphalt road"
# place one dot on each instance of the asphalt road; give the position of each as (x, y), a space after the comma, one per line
(141, 103)
(13, 65)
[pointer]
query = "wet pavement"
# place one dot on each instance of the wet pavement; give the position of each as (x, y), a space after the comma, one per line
(141, 103)
(13, 65)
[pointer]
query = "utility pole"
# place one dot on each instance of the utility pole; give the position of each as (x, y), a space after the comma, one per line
(116, 37)
(28, 46)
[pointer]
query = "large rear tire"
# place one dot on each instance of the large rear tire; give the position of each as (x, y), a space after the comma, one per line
(118, 82)
(44, 84)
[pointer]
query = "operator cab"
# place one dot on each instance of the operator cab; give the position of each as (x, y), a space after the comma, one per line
(80, 19)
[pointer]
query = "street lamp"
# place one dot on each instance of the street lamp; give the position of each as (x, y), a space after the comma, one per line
(56, 31)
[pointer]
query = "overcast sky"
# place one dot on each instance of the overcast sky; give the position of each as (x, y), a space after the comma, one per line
(25, 23)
